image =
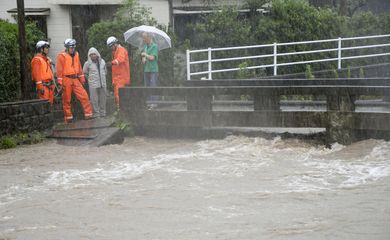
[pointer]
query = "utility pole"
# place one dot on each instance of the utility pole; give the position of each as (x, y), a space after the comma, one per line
(343, 7)
(22, 50)
(171, 19)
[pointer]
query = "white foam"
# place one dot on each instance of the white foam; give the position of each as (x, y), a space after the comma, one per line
(76, 178)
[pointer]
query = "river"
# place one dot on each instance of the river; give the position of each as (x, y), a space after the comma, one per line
(234, 188)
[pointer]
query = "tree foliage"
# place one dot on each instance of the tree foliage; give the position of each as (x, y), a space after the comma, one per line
(343, 7)
(9, 57)
(286, 21)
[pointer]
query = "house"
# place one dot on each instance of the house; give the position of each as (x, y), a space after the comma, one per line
(61, 19)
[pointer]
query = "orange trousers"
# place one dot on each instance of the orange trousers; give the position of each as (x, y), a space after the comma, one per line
(116, 93)
(48, 94)
(70, 86)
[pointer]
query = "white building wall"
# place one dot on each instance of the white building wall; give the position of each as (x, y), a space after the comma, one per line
(59, 28)
(4, 6)
(159, 10)
(200, 3)
(86, 2)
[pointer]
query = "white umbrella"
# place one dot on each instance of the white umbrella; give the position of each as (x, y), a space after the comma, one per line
(134, 36)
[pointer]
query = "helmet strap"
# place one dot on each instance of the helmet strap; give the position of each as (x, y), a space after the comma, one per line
(71, 54)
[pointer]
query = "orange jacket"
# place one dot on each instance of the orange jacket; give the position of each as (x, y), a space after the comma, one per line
(41, 70)
(120, 66)
(68, 65)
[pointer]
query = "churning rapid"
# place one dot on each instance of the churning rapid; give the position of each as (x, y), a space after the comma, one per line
(235, 188)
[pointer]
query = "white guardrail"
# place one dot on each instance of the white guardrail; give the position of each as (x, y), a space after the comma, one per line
(339, 49)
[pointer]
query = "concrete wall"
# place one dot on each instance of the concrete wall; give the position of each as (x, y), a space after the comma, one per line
(369, 71)
(25, 116)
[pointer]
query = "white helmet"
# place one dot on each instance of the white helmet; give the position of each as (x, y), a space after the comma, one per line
(111, 40)
(69, 42)
(42, 44)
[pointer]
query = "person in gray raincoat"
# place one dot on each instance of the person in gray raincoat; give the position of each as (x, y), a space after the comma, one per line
(96, 70)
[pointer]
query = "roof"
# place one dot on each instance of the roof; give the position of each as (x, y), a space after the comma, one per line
(31, 11)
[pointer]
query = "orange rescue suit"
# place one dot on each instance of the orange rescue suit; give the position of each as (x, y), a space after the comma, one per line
(42, 75)
(71, 77)
(120, 70)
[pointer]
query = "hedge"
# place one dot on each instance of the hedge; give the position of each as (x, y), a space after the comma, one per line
(9, 57)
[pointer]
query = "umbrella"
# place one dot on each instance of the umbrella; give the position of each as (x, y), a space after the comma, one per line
(134, 36)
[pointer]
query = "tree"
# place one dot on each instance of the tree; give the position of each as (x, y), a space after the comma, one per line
(344, 7)
(9, 55)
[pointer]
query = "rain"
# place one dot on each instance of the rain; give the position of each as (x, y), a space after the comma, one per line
(194, 119)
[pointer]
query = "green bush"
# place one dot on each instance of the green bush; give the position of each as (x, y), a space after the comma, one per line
(11, 141)
(9, 55)
(125, 126)
(9, 64)
(7, 142)
(309, 73)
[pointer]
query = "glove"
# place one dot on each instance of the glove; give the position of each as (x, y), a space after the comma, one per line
(59, 88)
(40, 89)
(82, 80)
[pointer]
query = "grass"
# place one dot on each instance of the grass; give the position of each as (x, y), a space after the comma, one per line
(12, 141)
(125, 126)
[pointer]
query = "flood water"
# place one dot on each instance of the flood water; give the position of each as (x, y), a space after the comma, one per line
(234, 188)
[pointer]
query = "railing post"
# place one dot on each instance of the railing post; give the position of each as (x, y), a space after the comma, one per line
(275, 59)
(210, 66)
(339, 53)
(188, 64)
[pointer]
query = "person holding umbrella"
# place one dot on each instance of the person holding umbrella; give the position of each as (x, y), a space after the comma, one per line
(149, 58)
(120, 66)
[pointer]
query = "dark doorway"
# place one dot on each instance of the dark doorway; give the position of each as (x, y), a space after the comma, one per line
(83, 17)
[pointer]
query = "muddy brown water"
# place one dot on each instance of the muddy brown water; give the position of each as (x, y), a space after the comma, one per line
(234, 188)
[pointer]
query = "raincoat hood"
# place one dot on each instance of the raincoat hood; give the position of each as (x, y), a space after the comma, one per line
(96, 71)
(93, 50)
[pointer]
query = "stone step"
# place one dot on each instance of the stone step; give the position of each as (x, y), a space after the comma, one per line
(86, 124)
(102, 136)
(95, 132)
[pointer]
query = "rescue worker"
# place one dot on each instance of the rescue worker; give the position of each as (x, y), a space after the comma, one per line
(71, 79)
(120, 67)
(42, 73)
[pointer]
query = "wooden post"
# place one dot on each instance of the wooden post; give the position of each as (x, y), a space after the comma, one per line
(22, 51)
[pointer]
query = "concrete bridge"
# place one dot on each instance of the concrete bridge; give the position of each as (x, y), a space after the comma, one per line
(194, 107)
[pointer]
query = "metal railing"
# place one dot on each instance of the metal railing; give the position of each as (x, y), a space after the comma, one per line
(275, 55)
